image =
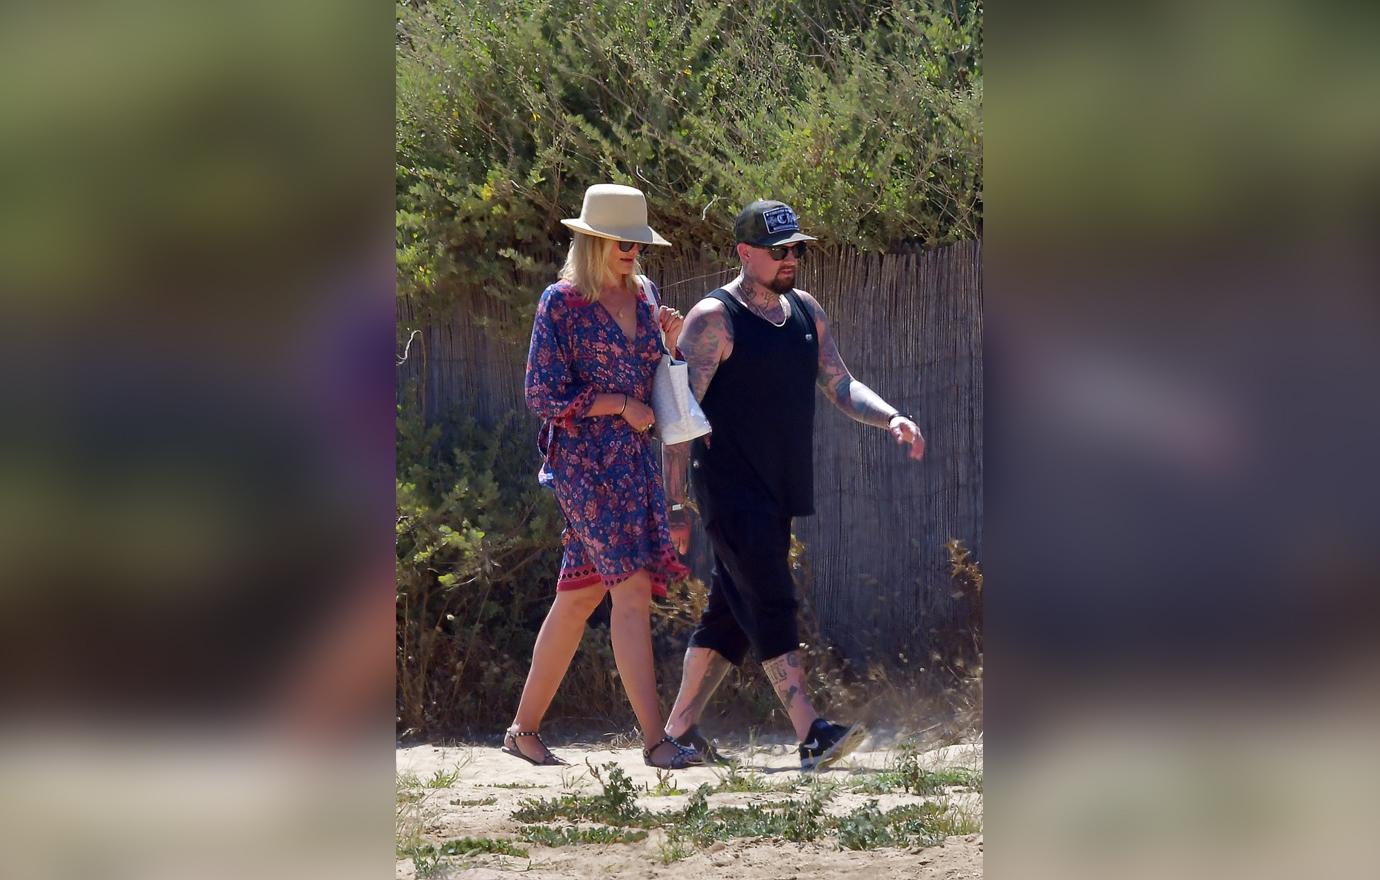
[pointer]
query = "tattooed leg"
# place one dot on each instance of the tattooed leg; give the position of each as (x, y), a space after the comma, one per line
(787, 676)
(704, 671)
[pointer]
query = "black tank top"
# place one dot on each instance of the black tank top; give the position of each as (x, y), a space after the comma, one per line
(761, 406)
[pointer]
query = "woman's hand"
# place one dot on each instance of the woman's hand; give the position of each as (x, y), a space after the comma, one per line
(639, 415)
(671, 322)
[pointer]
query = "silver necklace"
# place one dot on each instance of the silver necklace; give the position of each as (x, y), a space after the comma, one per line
(785, 315)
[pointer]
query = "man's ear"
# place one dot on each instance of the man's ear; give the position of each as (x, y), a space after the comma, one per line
(742, 251)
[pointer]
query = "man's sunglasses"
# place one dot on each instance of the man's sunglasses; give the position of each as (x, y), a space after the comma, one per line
(627, 246)
(779, 252)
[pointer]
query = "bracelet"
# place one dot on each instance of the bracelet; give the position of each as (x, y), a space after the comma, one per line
(892, 418)
(623, 407)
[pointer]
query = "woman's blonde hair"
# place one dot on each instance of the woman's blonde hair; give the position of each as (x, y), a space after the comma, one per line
(587, 266)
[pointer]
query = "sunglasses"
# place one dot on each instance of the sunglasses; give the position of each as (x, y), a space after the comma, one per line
(627, 246)
(779, 252)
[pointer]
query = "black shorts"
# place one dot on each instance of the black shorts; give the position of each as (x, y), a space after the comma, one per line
(751, 594)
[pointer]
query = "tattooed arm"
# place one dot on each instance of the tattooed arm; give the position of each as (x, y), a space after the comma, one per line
(706, 340)
(855, 399)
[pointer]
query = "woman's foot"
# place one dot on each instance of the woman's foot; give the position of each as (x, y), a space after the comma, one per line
(696, 740)
(528, 745)
(671, 755)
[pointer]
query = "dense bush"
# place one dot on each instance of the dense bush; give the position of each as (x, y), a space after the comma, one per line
(477, 551)
(866, 117)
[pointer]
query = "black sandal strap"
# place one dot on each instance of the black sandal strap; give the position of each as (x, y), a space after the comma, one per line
(679, 762)
(551, 759)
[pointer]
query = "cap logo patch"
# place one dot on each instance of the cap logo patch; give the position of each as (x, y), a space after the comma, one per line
(780, 219)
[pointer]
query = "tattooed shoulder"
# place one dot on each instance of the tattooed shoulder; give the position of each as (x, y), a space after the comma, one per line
(708, 333)
(816, 310)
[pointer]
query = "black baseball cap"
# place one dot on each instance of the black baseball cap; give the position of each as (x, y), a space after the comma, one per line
(765, 223)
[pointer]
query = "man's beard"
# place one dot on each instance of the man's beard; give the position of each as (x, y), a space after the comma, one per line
(781, 285)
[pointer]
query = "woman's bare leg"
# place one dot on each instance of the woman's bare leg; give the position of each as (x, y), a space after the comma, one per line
(631, 629)
(551, 655)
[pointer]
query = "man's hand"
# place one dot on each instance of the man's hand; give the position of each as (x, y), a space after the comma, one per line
(680, 530)
(906, 433)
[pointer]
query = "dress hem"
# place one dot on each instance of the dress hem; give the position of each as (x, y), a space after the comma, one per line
(666, 570)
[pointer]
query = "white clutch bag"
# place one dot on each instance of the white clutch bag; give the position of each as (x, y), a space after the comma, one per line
(678, 414)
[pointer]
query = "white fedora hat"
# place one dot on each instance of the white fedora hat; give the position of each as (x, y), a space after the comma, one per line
(618, 212)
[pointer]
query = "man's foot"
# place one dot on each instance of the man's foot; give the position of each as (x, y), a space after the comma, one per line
(829, 742)
(705, 746)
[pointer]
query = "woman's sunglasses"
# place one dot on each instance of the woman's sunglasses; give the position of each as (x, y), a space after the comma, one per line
(627, 246)
(779, 252)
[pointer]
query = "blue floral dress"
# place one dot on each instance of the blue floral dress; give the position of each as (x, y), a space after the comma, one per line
(605, 475)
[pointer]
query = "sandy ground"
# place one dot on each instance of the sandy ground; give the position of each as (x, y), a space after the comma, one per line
(480, 768)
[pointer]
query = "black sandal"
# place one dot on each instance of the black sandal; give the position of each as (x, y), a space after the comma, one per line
(683, 758)
(511, 747)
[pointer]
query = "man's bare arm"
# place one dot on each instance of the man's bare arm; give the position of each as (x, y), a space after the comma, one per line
(855, 399)
(706, 340)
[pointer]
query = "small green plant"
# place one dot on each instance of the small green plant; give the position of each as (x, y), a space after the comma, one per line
(926, 824)
(427, 856)
(615, 805)
(425, 862)
(674, 850)
(952, 820)
(917, 780)
(572, 836)
(734, 779)
(666, 785)
(866, 828)
(619, 797)
(906, 774)
(573, 779)
(411, 815)
(443, 778)
(794, 820)
(514, 785)
(474, 802)
(625, 739)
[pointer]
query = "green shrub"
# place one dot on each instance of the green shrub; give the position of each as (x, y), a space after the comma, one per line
(868, 123)
(477, 552)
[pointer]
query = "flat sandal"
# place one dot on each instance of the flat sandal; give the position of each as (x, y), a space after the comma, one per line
(550, 760)
(683, 758)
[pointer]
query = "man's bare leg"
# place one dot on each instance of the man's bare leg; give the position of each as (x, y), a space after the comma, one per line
(701, 675)
(787, 676)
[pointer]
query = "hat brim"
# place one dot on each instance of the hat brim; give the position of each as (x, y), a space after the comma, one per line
(782, 238)
(639, 234)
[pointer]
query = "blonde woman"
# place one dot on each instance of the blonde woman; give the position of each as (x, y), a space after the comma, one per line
(595, 348)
